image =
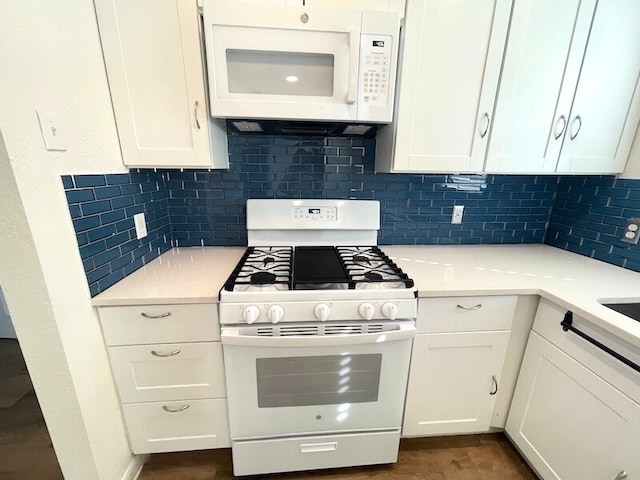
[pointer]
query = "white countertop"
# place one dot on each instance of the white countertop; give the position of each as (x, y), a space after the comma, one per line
(196, 274)
(181, 275)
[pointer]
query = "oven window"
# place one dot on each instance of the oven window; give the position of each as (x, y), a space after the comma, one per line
(280, 73)
(318, 380)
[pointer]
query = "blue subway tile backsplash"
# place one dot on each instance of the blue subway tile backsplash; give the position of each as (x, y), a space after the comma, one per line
(102, 209)
(589, 216)
(583, 214)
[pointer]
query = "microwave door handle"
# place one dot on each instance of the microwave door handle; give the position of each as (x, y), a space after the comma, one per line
(354, 58)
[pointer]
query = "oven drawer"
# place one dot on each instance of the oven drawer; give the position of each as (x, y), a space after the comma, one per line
(465, 314)
(143, 324)
(175, 426)
(310, 453)
(175, 371)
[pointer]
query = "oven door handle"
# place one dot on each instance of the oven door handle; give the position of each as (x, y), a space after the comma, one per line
(234, 336)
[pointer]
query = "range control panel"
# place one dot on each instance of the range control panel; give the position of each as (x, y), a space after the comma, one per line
(322, 214)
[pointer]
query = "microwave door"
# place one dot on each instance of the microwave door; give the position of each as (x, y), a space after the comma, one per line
(268, 70)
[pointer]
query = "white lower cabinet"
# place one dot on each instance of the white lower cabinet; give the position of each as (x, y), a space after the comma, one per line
(456, 364)
(453, 382)
(173, 426)
(567, 420)
(168, 368)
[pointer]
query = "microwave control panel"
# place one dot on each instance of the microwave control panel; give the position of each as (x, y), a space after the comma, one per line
(375, 61)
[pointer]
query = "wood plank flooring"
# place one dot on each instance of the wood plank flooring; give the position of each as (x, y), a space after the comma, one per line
(464, 457)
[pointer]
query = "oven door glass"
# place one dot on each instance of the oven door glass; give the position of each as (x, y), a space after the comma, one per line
(317, 380)
(313, 386)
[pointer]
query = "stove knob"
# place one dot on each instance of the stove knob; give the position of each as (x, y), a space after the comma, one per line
(366, 310)
(250, 314)
(390, 310)
(275, 313)
(322, 311)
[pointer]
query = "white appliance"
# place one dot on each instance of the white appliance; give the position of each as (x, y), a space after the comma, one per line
(272, 61)
(316, 339)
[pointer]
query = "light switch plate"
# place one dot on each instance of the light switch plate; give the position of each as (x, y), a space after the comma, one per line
(52, 131)
(141, 225)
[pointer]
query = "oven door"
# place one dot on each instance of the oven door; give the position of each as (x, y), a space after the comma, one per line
(315, 383)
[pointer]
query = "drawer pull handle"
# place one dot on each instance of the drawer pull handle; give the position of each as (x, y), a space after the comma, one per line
(318, 447)
(175, 410)
(475, 307)
(162, 315)
(621, 476)
(495, 385)
(156, 354)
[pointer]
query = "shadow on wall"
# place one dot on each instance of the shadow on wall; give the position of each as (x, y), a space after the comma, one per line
(6, 325)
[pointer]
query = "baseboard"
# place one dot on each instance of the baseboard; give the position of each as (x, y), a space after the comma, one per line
(135, 467)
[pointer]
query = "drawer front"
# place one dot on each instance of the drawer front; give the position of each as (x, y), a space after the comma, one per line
(465, 314)
(146, 324)
(310, 453)
(621, 376)
(176, 426)
(146, 373)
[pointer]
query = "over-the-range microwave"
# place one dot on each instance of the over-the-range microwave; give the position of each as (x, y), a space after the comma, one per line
(286, 62)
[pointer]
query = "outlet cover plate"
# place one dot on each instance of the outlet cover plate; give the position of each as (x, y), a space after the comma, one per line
(141, 225)
(631, 231)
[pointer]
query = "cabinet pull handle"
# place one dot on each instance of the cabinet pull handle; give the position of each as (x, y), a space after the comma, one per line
(564, 125)
(486, 126)
(156, 354)
(579, 120)
(162, 315)
(495, 385)
(195, 115)
(475, 307)
(175, 410)
(621, 476)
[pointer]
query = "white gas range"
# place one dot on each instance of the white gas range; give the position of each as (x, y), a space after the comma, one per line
(317, 326)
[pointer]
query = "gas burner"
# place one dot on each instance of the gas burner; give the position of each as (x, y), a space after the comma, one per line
(263, 278)
(372, 276)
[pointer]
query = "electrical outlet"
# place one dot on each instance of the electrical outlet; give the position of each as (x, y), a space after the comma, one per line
(631, 231)
(456, 216)
(141, 225)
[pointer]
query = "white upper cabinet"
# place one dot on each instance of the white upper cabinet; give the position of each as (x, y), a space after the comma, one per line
(153, 57)
(606, 107)
(566, 102)
(451, 62)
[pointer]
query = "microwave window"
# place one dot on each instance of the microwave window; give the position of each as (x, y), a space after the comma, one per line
(280, 73)
(318, 380)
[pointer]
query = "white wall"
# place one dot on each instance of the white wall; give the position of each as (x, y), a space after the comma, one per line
(50, 59)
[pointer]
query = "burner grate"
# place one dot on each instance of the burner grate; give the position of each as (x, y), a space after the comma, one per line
(316, 268)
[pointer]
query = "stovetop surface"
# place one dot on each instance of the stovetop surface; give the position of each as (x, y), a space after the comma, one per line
(316, 268)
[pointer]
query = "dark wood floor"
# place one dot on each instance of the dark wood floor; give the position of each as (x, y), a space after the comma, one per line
(25, 446)
(464, 457)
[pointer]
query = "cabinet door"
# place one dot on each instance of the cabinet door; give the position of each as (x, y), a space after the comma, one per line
(542, 62)
(568, 422)
(451, 64)
(152, 52)
(451, 382)
(606, 108)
